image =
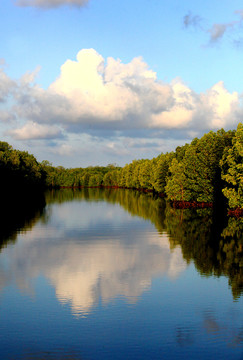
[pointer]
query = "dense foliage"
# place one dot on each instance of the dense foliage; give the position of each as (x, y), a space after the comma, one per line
(19, 169)
(196, 177)
(232, 170)
(76, 177)
(199, 172)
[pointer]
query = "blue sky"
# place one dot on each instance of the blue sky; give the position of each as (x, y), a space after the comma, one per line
(92, 82)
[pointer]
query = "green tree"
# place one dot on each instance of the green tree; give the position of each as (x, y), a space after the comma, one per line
(146, 174)
(176, 185)
(4, 146)
(197, 177)
(232, 170)
(162, 171)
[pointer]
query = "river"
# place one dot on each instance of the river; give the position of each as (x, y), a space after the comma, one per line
(99, 274)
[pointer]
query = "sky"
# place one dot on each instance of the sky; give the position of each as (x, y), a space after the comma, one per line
(98, 82)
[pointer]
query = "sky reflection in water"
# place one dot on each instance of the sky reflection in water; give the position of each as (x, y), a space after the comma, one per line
(92, 252)
(90, 281)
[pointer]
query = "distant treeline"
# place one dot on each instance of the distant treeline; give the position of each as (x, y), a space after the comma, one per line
(198, 173)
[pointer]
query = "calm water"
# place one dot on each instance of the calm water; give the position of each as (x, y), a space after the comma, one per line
(101, 274)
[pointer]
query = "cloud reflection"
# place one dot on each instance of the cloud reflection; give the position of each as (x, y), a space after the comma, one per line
(85, 268)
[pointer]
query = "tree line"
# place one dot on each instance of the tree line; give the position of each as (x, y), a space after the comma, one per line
(201, 172)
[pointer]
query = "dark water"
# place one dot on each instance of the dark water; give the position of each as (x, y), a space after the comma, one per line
(101, 274)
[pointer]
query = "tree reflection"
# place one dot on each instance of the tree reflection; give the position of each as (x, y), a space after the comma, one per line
(137, 203)
(230, 255)
(213, 242)
(19, 212)
(206, 237)
(213, 249)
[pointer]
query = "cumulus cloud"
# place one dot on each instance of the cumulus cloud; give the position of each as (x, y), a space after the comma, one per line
(30, 76)
(45, 4)
(222, 105)
(32, 130)
(106, 103)
(91, 93)
(113, 91)
(182, 110)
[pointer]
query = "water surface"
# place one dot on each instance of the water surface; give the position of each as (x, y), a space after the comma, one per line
(101, 274)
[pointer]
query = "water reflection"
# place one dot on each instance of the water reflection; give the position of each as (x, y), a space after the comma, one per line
(142, 279)
(91, 253)
(214, 249)
(91, 250)
(221, 331)
(19, 212)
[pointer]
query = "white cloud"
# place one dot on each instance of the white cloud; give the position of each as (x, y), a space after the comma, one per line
(222, 105)
(30, 76)
(64, 150)
(6, 86)
(51, 3)
(92, 94)
(32, 130)
(182, 111)
(105, 104)
(112, 92)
